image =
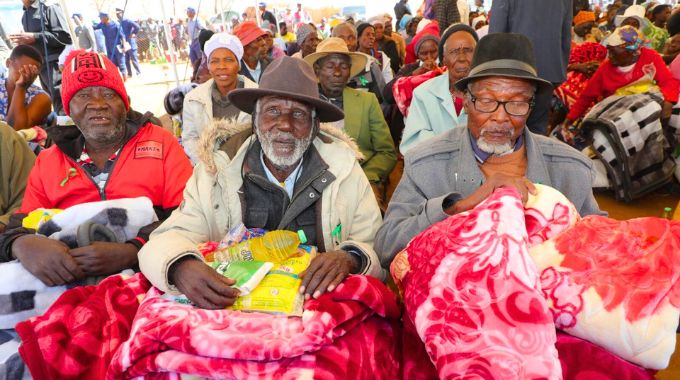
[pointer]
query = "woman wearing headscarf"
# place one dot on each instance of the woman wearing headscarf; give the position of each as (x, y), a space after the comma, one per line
(385, 43)
(427, 51)
(437, 106)
(629, 63)
(367, 45)
(209, 100)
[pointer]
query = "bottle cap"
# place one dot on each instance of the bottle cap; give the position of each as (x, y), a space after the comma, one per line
(302, 236)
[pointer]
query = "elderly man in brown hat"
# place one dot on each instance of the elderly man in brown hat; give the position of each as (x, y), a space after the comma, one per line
(458, 169)
(334, 64)
(283, 171)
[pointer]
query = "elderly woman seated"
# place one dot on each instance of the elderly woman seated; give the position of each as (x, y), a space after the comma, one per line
(23, 104)
(630, 68)
(209, 100)
(437, 106)
(634, 93)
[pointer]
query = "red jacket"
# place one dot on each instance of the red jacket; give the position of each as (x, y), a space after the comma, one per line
(607, 79)
(151, 164)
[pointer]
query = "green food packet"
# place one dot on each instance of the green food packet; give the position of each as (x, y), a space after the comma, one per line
(247, 274)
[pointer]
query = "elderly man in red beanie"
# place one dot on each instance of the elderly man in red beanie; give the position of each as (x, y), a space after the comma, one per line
(112, 152)
(254, 59)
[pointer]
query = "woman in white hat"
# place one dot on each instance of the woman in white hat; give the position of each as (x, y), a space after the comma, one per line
(209, 100)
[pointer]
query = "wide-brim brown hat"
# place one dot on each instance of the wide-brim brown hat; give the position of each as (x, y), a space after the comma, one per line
(291, 78)
(335, 45)
(506, 55)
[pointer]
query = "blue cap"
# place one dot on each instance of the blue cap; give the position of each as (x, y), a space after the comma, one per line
(76, 15)
(103, 14)
(192, 9)
(262, 4)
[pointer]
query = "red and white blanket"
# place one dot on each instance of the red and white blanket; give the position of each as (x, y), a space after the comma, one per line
(350, 333)
(492, 285)
(89, 333)
(79, 334)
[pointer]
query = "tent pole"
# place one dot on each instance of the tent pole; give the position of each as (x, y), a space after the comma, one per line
(173, 55)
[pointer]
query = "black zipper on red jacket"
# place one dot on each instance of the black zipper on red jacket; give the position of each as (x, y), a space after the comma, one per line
(102, 192)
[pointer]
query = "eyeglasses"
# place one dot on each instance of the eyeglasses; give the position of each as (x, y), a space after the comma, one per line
(461, 51)
(512, 107)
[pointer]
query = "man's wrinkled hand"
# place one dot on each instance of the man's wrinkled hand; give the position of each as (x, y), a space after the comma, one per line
(104, 258)
(326, 272)
(47, 259)
(522, 184)
(202, 285)
(22, 38)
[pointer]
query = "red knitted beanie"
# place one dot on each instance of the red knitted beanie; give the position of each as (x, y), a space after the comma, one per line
(88, 69)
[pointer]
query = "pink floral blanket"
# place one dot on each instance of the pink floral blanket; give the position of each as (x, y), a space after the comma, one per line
(492, 285)
(351, 333)
(475, 299)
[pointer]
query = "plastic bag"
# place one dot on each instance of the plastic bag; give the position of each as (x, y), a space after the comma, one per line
(278, 293)
(247, 274)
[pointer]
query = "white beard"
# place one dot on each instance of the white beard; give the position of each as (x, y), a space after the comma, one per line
(283, 162)
(496, 149)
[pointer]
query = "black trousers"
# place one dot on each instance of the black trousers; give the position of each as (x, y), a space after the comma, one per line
(54, 90)
(538, 118)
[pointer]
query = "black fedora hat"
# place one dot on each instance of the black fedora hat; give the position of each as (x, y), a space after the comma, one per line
(291, 78)
(507, 55)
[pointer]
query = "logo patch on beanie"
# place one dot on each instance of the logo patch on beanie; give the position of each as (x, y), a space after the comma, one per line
(83, 65)
(149, 149)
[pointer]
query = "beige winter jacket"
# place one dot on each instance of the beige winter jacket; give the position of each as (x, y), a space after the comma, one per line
(212, 206)
(197, 115)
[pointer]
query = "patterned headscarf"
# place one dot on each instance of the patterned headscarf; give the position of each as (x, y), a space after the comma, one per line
(628, 35)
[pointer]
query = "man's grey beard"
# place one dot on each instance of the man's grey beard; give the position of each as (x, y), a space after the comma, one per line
(496, 149)
(283, 162)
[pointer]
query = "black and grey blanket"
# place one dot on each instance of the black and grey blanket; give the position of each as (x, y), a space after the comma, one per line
(627, 135)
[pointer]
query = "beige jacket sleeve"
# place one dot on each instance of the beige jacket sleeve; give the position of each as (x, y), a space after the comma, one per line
(194, 120)
(178, 236)
(16, 162)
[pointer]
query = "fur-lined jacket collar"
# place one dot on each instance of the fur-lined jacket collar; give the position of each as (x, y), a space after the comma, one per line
(229, 135)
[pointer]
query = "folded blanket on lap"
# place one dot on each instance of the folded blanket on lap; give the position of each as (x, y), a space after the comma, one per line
(77, 337)
(612, 283)
(22, 295)
(349, 333)
(123, 217)
(475, 299)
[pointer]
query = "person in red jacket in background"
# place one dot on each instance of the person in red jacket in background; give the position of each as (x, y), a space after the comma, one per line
(628, 62)
(111, 152)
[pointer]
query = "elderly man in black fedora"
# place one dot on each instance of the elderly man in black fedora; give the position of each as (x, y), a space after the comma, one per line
(282, 171)
(460, 168)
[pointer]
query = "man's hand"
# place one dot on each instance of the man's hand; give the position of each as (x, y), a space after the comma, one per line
(103, 258)
(325, 272)
(202, 285)
(522, 184)
(47, 259)
(22, 38)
